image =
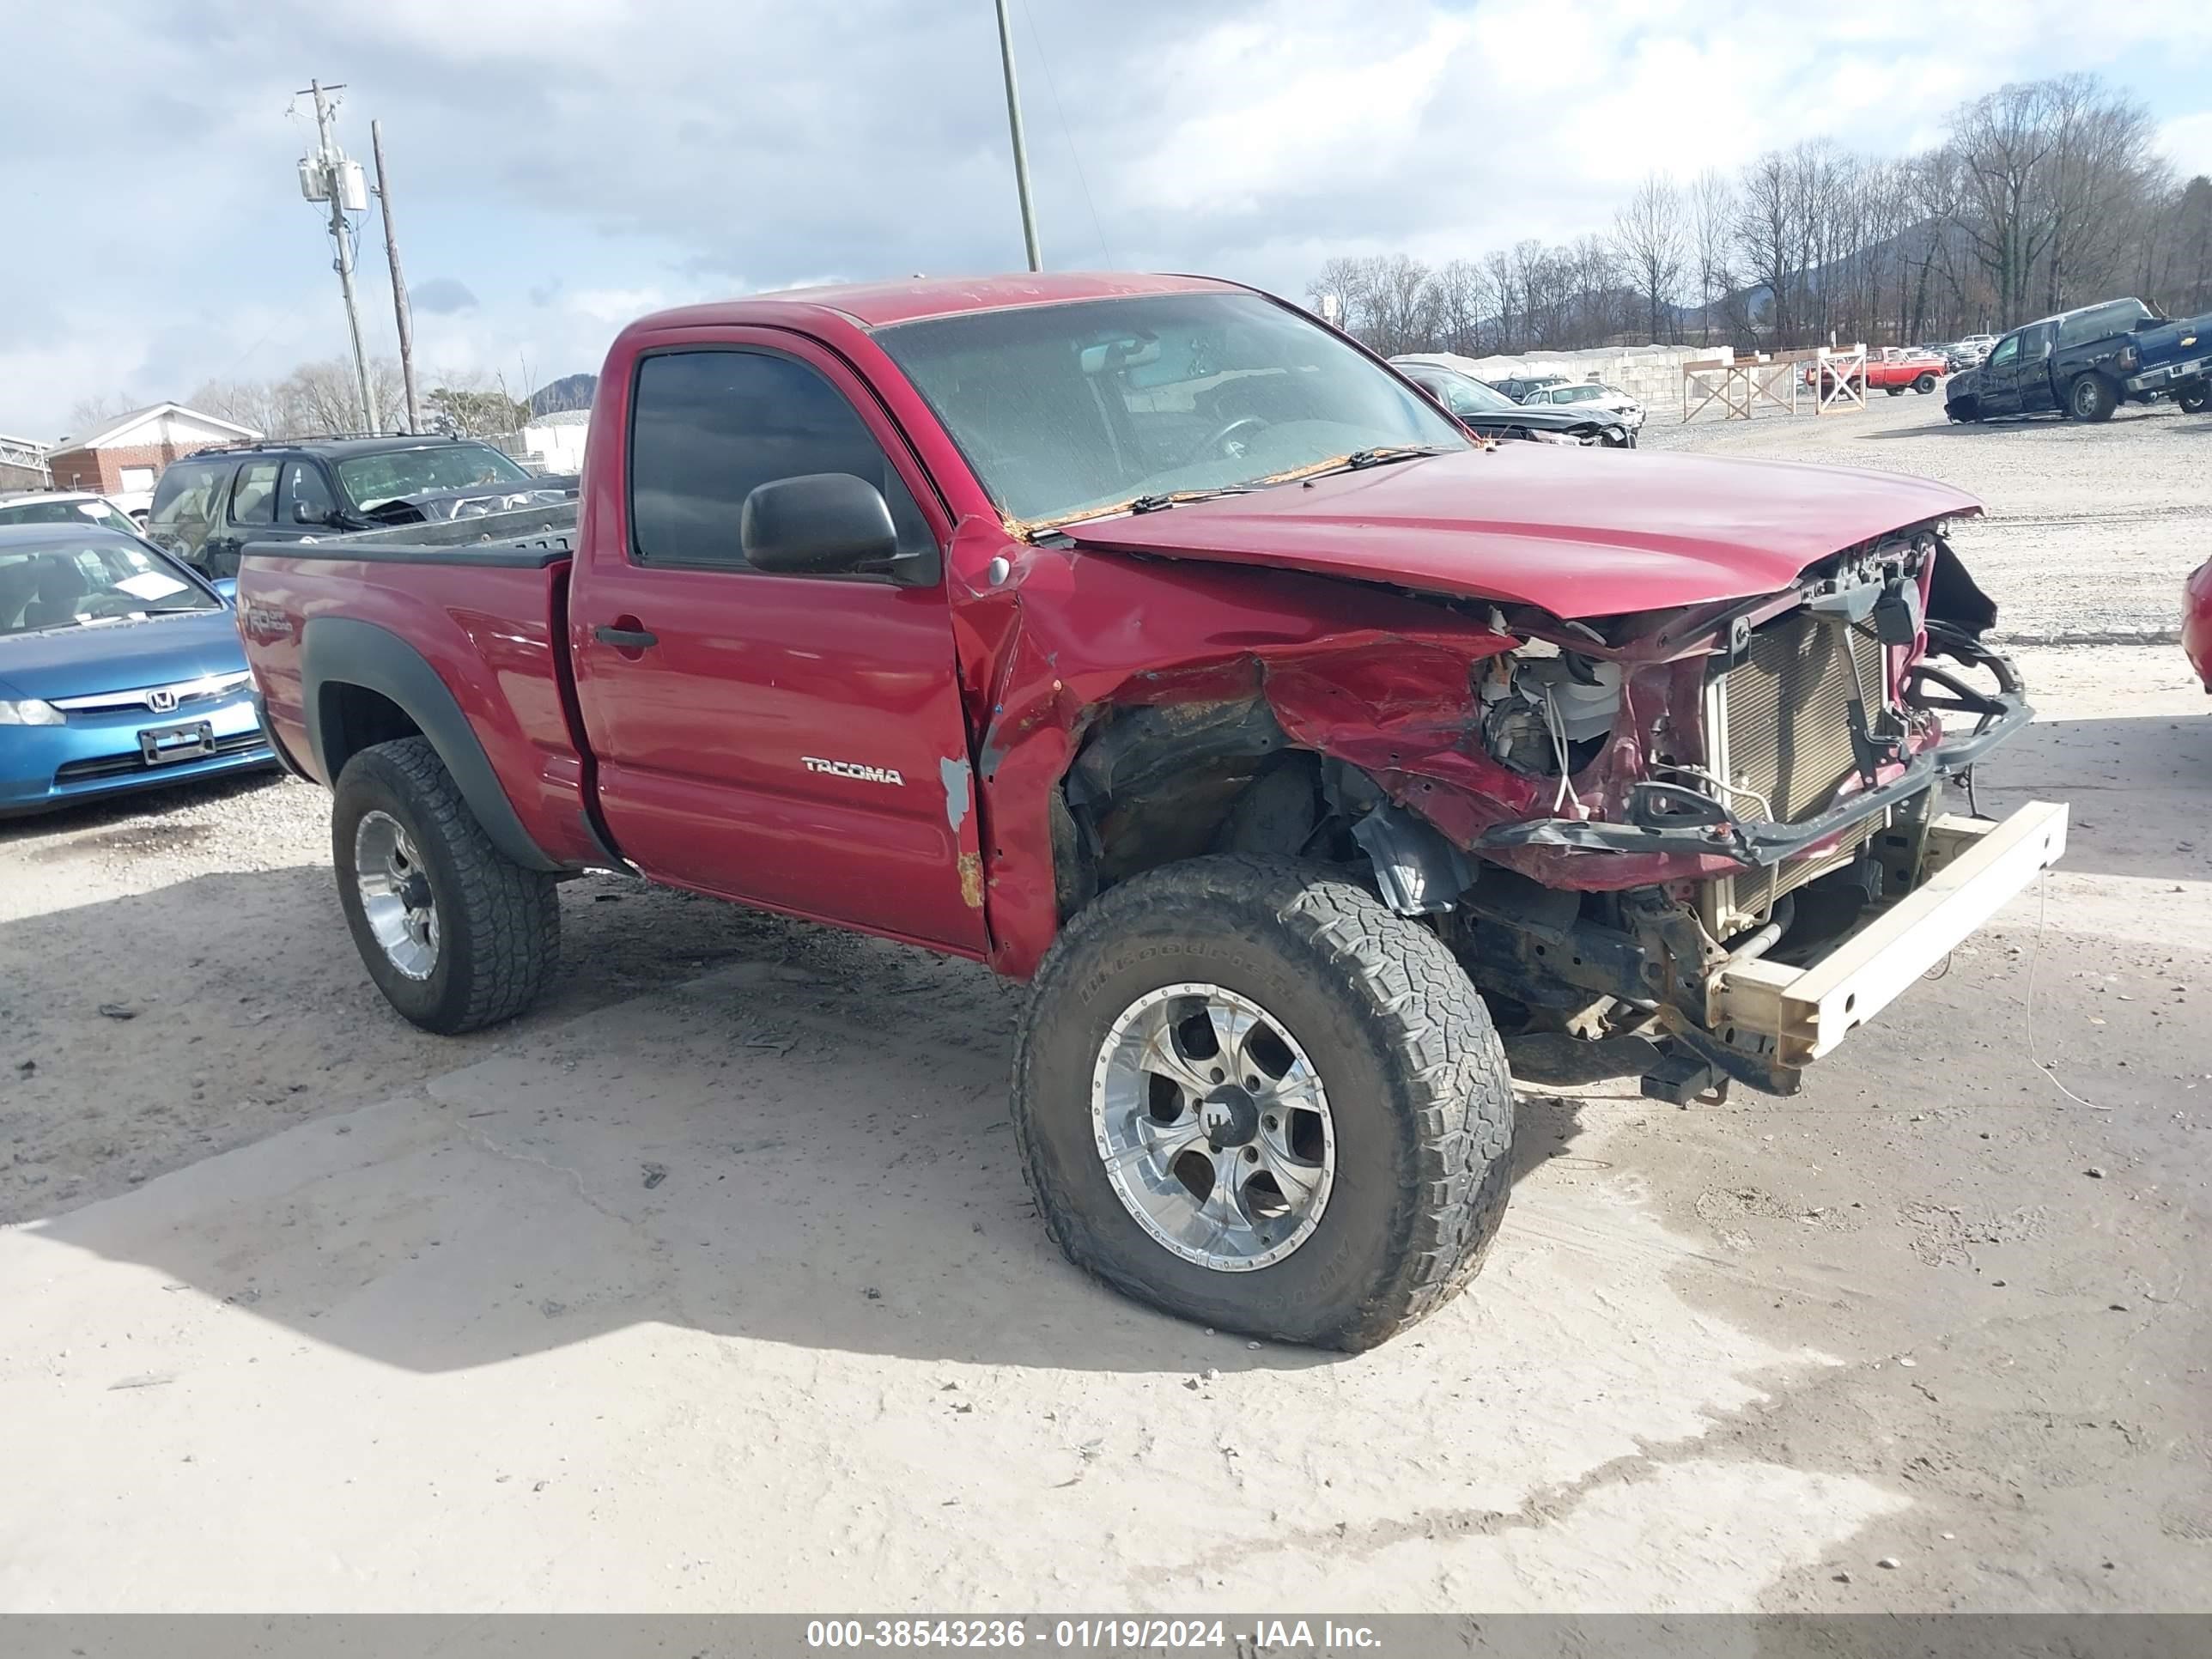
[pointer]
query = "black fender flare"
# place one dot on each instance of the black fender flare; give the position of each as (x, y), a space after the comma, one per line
(346, 651)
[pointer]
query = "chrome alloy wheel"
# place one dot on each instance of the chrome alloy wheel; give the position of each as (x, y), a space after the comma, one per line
(1214, 1127)
(395, 895)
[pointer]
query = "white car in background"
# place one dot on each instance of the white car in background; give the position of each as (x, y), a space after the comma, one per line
(1590, 394)
(68, 506)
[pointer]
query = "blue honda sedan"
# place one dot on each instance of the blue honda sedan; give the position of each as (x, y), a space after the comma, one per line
(121, 669)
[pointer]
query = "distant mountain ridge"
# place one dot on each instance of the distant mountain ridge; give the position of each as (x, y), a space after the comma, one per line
(570, 392)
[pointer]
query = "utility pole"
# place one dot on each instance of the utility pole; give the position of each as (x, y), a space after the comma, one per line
(328, 168)
(398, 283)
(1021, 150)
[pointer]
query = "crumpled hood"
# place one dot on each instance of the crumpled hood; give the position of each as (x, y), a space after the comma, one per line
(82, 661)
(1578, 532)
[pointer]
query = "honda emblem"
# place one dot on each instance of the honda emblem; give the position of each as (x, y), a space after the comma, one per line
(162, 701)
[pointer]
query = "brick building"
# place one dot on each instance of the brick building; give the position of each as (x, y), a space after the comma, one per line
(124, 456)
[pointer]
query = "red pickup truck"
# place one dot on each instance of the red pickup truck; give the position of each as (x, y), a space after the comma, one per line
(1153, 642)
(1893, 370)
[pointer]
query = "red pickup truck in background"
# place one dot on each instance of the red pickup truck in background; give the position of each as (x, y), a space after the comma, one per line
(1893, 370)
(1148, 640)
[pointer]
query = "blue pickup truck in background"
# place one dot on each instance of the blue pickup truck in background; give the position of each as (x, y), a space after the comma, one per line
(2085, 363)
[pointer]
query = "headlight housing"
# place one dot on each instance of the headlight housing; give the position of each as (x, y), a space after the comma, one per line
(29, 711)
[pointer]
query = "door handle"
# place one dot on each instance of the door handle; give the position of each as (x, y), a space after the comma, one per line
(626, 639)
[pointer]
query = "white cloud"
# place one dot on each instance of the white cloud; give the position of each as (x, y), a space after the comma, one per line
(569, 162)
(2187, 141)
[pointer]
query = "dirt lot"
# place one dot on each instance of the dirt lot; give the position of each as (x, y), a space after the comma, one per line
(713, 1283)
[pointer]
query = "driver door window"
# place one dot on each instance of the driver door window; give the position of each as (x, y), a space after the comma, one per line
(2007, 349)
(708, 427)
(305, 487)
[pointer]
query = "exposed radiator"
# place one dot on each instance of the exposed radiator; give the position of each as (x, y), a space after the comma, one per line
(1780, 728)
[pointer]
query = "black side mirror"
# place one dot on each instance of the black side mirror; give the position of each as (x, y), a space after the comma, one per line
(303, 513)
(826, 524)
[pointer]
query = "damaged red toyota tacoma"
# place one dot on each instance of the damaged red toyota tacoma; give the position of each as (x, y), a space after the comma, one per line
(1322, 767)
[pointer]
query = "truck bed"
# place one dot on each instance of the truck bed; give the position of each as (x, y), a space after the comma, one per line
(481, 604)
(2171, 355)
(529, 538)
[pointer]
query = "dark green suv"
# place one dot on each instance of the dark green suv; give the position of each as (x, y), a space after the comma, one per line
(209, 505)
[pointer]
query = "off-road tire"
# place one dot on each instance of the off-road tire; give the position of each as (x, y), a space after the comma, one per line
(2091, 397)
(499, 924)
(1924, 384)
(1415, 1075)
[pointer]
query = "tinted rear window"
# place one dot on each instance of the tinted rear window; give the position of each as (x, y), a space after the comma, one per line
(2102, 322)
(184, 501)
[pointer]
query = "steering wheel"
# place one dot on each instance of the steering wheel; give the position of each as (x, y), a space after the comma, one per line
(1218, 443)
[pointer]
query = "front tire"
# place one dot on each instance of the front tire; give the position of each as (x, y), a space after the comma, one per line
(1365, 1188)
(1924, 384)
(2092, 398)
(456, 934)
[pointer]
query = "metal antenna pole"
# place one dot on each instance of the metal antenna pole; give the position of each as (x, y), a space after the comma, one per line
(1021, 150)
(399, 282)
(327, 154)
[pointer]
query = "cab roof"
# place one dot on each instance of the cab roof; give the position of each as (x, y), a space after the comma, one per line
(882, 304)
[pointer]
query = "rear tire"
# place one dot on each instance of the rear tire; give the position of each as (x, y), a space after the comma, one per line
(2193, 396)
(2092, 398)
(1411, 1078)
(462, 937)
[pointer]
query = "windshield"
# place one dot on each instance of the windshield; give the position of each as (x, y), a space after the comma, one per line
(76, 513)
(67, 581)
(372, 480)
(1579, 394)
(1462, 394)
(1067, 411)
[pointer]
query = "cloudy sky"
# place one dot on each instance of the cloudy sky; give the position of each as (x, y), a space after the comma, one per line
(560, 166)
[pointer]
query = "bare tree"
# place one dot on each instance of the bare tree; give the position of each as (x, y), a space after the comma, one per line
(1600, 291)
(1767, 235)
(2185, 280)
(1650, 235)
(1500, 271)
(87, 414)
(2101, 160)
(1712, 217)
(1401, 317)
(248, 403)
(2003, 142)
(1460, 291)
(1348, 283)
(2048, 194)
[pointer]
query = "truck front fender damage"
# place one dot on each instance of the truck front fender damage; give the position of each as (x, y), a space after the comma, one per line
(1135, 711)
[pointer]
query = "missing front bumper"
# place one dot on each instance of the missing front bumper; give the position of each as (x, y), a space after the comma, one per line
(1971, 868)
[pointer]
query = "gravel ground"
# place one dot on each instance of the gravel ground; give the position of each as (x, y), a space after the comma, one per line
(712, 1284)
(2090, 530)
